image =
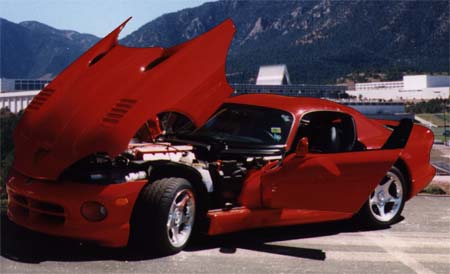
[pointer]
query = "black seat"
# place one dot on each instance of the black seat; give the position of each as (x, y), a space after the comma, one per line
(328, 139)
(334, 140)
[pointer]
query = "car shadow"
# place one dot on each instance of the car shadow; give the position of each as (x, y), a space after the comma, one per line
(264, 239)
(23, 245)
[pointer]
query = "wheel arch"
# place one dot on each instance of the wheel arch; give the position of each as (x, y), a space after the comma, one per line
(404, 169)
(165, 169)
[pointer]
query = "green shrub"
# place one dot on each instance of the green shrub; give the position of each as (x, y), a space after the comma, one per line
(8, 122)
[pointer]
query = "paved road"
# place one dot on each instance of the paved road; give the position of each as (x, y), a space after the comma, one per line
(420, 243)
(442, 168)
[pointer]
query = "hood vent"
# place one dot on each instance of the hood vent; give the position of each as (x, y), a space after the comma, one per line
(118, 111)
(97, 58)
(40, 99)
(156, 62)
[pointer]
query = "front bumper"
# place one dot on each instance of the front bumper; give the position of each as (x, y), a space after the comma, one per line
(54, 208)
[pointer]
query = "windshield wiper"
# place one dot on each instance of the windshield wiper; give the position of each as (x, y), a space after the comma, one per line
(179, 139)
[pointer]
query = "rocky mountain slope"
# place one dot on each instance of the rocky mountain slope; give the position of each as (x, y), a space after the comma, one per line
(33, 50)
(319, 41)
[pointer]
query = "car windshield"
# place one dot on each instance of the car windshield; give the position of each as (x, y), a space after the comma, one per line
(247, 124)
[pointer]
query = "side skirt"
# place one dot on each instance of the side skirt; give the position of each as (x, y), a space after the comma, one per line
(242, 218)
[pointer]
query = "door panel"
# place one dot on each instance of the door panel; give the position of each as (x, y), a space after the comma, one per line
(338, 182)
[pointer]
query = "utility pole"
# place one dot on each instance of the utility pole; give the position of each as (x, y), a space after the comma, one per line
(445, 124)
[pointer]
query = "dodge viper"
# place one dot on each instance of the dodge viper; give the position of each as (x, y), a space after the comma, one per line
(145, 146)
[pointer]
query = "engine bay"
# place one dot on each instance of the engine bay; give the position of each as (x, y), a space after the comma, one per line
(223, 169)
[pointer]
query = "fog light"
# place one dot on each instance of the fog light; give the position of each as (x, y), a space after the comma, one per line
(93, 211)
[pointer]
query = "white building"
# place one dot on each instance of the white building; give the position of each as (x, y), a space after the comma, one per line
(273, 75)
(12, 85)
(16, 101)
(16, 94)
(413, 87)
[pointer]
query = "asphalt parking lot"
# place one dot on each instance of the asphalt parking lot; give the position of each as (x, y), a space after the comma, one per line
(419, 243)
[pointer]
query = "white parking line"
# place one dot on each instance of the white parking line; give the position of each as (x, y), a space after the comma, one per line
(391, 256)
(409, 242)
(397, 252)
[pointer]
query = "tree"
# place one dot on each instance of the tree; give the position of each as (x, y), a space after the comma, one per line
(8, 122)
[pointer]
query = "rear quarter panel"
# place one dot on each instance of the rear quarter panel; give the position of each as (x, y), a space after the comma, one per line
(416, 155)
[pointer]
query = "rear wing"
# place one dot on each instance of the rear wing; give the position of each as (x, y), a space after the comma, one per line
(399, 137)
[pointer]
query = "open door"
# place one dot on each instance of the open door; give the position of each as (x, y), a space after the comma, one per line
(332, 178)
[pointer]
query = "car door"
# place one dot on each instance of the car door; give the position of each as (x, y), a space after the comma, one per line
(339, 180)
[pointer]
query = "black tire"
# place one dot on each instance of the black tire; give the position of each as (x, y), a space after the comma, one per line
(149, 223)
(367, 215)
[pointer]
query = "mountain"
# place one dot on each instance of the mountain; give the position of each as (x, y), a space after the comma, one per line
(33, 50)
(318, 40)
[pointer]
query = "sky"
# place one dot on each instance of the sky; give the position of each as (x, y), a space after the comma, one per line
(97, 17)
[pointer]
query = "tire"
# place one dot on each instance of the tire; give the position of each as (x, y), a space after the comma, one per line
(385, 204)
(164, 216)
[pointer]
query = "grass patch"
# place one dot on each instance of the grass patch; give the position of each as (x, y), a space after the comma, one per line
(435, 118)
(438, 120)
(433, 189)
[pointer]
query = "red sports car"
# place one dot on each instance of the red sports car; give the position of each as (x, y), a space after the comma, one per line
(145, 146)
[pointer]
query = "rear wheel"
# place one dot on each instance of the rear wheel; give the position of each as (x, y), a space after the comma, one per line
(386, 202)
(164, 216)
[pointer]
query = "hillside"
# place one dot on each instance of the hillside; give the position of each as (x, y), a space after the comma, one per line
(318, 40)
(34, 50)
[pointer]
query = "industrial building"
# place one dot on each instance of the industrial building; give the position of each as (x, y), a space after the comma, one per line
(16, 94)
(273, 75)
(275, 79)
(320, 91)
(12, 85)
(411, 88)
(16, 101)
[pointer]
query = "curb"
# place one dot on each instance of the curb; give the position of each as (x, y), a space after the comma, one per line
(433, 195)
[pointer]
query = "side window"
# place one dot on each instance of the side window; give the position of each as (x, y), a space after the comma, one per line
(328, 132)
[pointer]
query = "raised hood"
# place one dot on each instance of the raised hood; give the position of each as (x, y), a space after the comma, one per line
(100, 101)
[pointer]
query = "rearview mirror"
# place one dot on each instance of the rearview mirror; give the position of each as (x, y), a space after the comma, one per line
(302, 147)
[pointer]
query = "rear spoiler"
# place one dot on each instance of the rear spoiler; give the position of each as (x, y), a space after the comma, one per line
(399, 137)
(388, 123)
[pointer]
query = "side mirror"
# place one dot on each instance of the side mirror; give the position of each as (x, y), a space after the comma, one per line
(302, 147)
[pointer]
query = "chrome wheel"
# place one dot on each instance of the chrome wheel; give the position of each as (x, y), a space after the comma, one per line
(181, 218)
(386, 200)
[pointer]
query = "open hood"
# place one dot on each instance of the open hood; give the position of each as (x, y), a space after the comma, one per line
(100, 101)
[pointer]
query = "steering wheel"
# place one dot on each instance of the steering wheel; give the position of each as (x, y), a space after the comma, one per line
(267, 137)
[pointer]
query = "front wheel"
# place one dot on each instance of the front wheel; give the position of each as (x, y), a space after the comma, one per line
(164, 216)
(386, 202)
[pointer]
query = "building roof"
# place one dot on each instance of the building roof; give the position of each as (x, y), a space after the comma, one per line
(273, 75)
(19, 93)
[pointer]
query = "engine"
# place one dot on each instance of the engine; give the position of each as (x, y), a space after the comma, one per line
(223, 173)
